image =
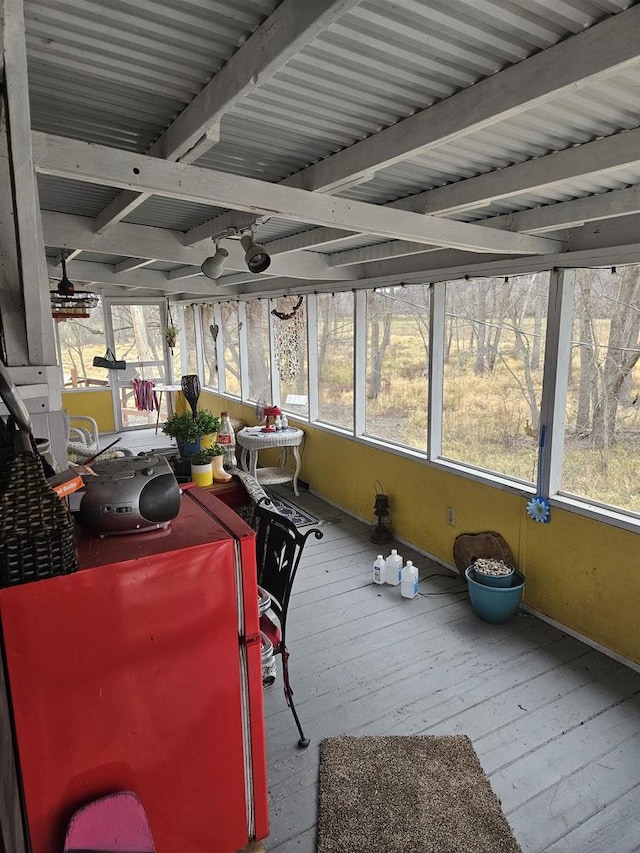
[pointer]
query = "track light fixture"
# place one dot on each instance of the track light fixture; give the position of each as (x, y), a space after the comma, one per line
(256, 256)
(212, 267)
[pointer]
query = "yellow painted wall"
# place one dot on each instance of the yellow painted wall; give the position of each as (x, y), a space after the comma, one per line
(580, 572)
(96, 404)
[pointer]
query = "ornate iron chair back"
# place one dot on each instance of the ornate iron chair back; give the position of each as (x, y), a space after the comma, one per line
(279, 547)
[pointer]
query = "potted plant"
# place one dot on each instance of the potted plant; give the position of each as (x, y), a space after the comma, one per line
(192, 434)
(494, 603)
(216, 453)
(170, 335)
(201, 468)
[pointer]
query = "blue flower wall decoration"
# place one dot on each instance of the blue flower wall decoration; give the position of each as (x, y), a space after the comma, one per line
(539, 510)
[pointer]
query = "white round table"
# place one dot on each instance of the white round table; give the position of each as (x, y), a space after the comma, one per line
(252, 440)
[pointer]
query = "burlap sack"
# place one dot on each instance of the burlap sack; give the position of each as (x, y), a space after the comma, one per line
(468, 547)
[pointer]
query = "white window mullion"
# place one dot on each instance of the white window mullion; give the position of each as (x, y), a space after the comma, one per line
(436, 369)
(275, 373)
(197, 327)
(107, 307)
(360, 362)
(244, 352)
(312, 354)
(557, 356)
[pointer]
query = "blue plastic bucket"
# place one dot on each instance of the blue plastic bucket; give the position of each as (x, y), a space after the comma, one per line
(495, 604)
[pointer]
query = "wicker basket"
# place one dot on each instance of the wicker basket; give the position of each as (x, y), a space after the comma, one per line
(36, 528)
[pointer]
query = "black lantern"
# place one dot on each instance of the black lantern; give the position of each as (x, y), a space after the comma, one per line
(381, 532)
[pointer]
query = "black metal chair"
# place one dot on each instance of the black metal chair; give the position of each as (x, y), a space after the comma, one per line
(279, 546)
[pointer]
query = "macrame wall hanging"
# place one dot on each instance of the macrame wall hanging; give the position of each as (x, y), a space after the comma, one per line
(289, 330)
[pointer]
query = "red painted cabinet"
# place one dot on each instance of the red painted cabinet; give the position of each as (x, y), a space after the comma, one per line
(142, 672)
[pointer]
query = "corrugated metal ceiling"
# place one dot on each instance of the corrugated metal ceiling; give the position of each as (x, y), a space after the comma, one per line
(120, 74)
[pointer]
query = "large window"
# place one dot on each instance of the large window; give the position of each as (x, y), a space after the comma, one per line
(602, 434)
(79, 341)
(335, 359)
(190, 361)
(210, 333)
(259, 362)
(290, 352)
(494, 354)
(489, 362)
(397, 359)
(229, 312)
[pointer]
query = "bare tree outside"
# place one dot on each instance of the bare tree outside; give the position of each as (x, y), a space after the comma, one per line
(80, 340)
(258, 350)
(335, 358)
(602, 436)
(210, 333)
(229, 311)
(397, 357)
(494, 334)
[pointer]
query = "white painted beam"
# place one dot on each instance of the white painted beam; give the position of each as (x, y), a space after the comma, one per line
(565, 214)
(156, 280)
(67, 158)
(575, 62)
(291, 26)
(570, 65)
(592, 159)
(26, 267)
(133, 264)
(603, 155)
(145, 242)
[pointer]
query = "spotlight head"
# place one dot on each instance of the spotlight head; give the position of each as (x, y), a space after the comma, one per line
(256, 256)
(213, 266)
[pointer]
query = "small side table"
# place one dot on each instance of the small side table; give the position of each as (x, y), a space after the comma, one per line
(252, 440)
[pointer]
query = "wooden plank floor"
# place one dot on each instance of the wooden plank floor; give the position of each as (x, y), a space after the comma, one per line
(556, 724)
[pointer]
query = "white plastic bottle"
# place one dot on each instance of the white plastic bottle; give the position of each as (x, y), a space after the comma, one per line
(392, 568)
(409, 580)
(378, 569)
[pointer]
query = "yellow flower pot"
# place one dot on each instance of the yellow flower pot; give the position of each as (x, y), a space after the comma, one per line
(202, 475)
(207, 441)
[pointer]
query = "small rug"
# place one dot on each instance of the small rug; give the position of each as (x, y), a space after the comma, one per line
(298, 516)
(396, 794)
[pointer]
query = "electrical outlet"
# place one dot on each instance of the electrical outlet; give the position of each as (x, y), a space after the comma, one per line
(451, 516)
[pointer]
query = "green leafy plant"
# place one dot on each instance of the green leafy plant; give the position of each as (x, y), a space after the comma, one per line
(216, 450)
(203, 457)
(184, 427)
(170, 334)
